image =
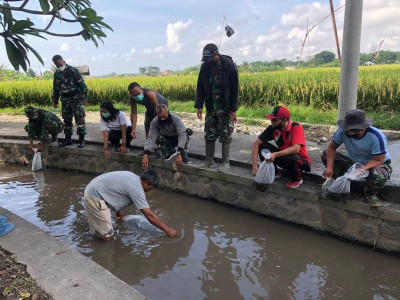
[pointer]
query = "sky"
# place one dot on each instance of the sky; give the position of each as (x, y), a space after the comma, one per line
(171, 34)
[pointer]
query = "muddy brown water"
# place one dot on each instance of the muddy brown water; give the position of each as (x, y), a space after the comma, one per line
(222, 253)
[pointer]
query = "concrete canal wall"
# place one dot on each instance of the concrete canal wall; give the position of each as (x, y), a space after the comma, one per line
(352, 219)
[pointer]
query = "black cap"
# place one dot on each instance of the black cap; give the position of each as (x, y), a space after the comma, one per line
(208, 52)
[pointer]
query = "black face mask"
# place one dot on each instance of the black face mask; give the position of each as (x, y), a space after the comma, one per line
(166, 121)
(211, 63)
(279, 127)
(354, 136)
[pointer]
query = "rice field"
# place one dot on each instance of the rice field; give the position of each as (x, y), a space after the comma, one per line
(378, 89)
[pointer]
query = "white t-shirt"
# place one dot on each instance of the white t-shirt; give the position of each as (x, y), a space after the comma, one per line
(115, 124)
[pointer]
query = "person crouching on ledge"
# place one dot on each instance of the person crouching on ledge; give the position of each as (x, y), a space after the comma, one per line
(115, 127)
(290, 152)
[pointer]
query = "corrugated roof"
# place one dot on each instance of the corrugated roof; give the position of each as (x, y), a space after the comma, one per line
(83, 69)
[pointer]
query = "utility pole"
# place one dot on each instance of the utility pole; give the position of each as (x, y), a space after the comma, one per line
(350, 57)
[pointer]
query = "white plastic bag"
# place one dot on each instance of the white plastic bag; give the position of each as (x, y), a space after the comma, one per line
(266, 171)
(141, 222)
(37, 161)
(342, 184)
(325, 187)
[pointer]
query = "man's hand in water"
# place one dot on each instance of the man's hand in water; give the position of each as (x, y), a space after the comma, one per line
(120, 215)
(172, 232)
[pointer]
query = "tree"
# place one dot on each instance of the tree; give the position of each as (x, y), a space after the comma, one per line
(153, 71)
(48, 75)
(30, 73)
(323, 57)
(142, 70)
(15, 31)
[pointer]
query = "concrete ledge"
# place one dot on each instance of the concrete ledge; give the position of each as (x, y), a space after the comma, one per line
(59, 269)
(351, 219)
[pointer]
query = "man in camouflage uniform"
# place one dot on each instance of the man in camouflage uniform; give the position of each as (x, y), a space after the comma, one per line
(218, 87)
(70, 86)
(167, 131)
(42, 124)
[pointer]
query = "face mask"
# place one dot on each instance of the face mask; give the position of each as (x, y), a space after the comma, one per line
(106, 115)
(279, 127)
(62, 68)
(354, 136)
(138, 98)
(211, 63)
(166, 121)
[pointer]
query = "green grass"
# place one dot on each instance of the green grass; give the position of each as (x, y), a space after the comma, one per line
(253, 116)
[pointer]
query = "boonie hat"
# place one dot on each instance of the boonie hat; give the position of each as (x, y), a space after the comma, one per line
(354, 119)
(279, 112)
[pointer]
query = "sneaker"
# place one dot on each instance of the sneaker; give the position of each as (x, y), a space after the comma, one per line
(170, 155)
(278, 175)
(373, 201)
(6, 228)
(294, 184)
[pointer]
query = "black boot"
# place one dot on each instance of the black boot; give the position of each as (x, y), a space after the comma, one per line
(67, 141)
(82, 142)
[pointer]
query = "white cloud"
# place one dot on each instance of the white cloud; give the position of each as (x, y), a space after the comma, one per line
(173, 33)
(97, 58)
(129, 55)
(64, 47)
(380, 21)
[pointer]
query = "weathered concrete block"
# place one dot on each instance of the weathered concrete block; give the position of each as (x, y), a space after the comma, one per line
(310, 214)
(334, 219)
(368, 232)
(390, 230)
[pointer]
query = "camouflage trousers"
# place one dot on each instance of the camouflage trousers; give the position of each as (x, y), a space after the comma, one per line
(218, 125)
(72, 107)
(376, 179)
(44, 133)
(168, 145)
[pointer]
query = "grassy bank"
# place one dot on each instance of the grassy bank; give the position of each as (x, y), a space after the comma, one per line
(302, 114)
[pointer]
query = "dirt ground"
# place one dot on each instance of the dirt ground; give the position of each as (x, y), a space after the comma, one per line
(315, 133)
(15, 282)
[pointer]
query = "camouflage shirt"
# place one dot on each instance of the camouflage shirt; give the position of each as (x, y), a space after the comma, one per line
(217, 90)
(45, 122)
(68, 83)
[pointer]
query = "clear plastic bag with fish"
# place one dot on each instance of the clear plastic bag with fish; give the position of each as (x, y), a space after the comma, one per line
(37, 161)
(266, 171)
(141, 222)
(341, 185)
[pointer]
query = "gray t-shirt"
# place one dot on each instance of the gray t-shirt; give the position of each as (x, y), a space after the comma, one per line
(118, 189)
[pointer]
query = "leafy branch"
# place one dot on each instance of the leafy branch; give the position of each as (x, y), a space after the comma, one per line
(13, 30)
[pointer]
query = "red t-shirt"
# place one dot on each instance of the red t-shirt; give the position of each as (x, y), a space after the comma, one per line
(294, 135)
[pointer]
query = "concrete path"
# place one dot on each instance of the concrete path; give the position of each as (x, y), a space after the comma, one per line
(240, 150)
(59, 269)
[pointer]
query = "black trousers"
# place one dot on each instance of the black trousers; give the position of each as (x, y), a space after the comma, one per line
(294, 164)
(114, 136)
